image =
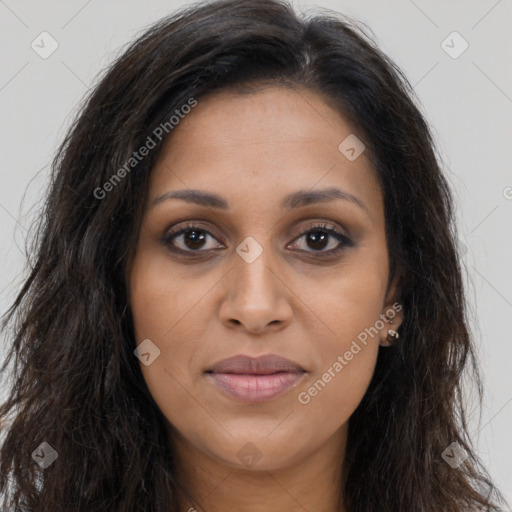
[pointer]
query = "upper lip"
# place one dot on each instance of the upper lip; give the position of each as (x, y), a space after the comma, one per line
(262, 365)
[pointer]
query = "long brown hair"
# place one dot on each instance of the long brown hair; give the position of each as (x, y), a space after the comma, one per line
(77, 384)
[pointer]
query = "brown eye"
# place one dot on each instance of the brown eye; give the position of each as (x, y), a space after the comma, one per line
(194, 239)
(318, 238)
(190, 238)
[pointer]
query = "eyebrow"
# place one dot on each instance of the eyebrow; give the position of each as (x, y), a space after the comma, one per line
(291, 201)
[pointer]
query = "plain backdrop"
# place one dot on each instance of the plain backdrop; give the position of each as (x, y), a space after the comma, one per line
(466, 96)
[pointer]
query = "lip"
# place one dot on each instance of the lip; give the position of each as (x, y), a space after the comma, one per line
(255, 379)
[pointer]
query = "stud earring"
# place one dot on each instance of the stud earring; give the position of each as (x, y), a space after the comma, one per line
(392, 336)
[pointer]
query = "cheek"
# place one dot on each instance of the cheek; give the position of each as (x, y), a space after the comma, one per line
(347, 363)
(163, 299)
(347, 306)
(346, 339)
(335, 392)
(164, 307)
(339, 383)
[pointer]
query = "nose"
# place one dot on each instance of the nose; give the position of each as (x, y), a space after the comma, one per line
(257, 296)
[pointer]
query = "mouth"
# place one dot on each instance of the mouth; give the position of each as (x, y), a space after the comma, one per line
(248, 379)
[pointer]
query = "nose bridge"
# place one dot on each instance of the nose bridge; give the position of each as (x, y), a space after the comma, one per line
(256, 297)
(252, 268)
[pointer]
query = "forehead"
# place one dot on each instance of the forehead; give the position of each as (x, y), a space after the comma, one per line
(272, 115)
(263, 144)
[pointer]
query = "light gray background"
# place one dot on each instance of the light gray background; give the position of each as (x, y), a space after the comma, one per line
(467, 100)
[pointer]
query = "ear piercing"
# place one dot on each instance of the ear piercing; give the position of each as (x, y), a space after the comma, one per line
(392, 336)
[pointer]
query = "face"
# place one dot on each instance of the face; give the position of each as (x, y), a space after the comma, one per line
(290, 259)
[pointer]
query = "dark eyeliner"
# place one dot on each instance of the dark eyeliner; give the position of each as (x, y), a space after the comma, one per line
(344, 240)
(168, 238)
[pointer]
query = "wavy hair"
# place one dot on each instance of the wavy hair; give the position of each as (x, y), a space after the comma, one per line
(76, 383)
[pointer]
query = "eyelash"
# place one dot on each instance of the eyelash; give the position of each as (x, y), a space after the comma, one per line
(345, 242)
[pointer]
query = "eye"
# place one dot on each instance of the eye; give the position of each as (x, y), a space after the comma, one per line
(320, 236)
(190, 238)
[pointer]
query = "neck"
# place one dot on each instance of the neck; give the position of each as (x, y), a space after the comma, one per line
(312, 482)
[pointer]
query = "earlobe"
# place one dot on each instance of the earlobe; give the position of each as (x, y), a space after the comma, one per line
(391, 337)
(394, 317)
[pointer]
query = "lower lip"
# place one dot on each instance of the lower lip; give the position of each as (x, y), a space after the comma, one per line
(255, 388)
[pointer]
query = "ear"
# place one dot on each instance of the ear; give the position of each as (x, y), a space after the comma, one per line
(392, 315)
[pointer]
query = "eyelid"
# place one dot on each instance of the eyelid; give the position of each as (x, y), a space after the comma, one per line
(188, 226)
(344, 240)
(321, 224)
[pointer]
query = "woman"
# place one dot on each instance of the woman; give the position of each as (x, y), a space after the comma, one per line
(246, 294)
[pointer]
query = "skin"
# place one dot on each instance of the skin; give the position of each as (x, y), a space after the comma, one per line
(199, 308)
